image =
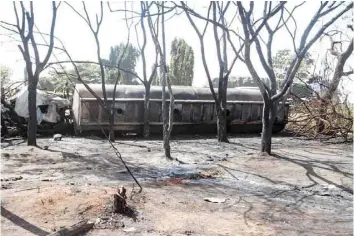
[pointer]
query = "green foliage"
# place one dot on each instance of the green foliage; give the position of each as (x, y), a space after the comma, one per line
(56, 83)
(90, 73)
(181, 63)
(282, 61)
(5, 74)
(128, 63)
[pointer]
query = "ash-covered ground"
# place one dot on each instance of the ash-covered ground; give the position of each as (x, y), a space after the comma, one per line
(305, 188)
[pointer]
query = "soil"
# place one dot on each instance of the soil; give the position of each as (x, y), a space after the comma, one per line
(304, 188)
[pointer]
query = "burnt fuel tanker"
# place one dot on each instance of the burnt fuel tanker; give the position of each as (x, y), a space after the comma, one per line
(194, 109)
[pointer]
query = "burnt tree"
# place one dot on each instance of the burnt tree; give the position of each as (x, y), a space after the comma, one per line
(108, 106)
(219, 22)
(161, 49)
(24, 27)
(341, 58)
(146, 81)
(273, 95)
(224, 72)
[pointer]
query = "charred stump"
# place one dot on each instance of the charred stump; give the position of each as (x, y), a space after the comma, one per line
(119, 201)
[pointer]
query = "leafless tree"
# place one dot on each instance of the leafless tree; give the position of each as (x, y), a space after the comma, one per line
(273, 95)
(167, 127)
(224, 70)
(95, 31)
(77, 76)
(146, 81)
(108, 106)
(161, 49)
(341, 59)
(24, 27)
(219, 22)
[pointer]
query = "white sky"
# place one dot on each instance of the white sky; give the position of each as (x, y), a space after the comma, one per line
(79, 41)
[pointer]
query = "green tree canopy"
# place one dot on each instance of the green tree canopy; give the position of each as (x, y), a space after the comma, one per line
(282, 60)
(56, 82)
(181, 63)
(128, 63)
(90, 73)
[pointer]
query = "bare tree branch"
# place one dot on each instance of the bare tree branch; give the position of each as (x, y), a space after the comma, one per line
(51, 42)
(201, 39)
(304, 47)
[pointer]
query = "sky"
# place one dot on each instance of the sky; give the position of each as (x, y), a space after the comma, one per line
(79, 41)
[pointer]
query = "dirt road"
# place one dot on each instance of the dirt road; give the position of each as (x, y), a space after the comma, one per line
(306, 188)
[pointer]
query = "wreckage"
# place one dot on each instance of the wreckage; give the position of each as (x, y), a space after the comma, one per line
(48, 106)
(52, 111)
(194, 109)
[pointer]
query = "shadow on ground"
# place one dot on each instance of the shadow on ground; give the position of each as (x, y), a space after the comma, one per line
(22, 223)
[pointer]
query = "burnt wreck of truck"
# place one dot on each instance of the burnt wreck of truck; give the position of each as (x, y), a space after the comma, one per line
(53, 113)
(194, 110)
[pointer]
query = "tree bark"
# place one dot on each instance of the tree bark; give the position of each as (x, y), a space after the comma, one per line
(32, 110)
(170, 119)
(166, 146)
(221, 116)
(111, 124)
(221, 126)
(147, 111)
(269, 114)
(166, 136)
(333, 86)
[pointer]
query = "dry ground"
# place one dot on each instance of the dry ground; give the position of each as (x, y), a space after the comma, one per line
(306, 188)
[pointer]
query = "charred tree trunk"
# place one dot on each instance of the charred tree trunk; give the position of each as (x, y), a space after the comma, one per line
(32, 111)
(111, 124)
(111, 112)
(166, 146)
(166, 136)
(166, 133)
(33, 72)
(269, 114)
(221, 126)
(147, 111)
(170, 119)
(221, 116)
